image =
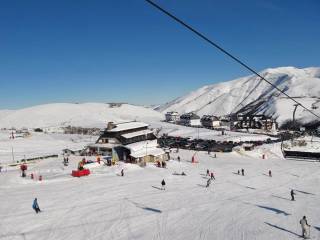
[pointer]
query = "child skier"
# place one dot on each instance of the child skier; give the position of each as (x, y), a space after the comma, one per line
(304, 224)
(292, 193)
(163, 185)
(35, 205)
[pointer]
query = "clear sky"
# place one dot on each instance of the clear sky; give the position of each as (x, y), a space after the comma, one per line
(113, 50)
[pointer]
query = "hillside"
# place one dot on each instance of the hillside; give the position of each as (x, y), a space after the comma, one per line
(84, 115)
(251, 94)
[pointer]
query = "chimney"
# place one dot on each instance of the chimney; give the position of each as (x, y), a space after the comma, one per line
(110, 125)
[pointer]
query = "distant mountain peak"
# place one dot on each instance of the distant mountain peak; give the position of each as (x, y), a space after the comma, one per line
(251, 94)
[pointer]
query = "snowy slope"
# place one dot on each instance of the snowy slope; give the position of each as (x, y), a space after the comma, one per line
(106, 206)
(84, 115)
(250, 94)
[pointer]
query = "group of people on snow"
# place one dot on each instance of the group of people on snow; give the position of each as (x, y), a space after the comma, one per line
(161, 164)
(242, 172)
(303, 222)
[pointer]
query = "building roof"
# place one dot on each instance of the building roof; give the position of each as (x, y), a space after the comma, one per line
(103, 145)
(142, 145)
(128, 125)
(189, 116)
(136, 134)
(152, 151)
(172, 113)
(209, 118)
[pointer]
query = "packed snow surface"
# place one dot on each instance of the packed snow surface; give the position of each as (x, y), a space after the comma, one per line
(105, 205)
(251, 94)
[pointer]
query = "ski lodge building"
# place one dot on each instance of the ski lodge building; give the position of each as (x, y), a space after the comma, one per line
(172, 117)
(130, 142)
(190, 119)
(256, 122)
(210, 121)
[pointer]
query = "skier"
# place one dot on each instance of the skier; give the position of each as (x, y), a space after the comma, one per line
(23, 168)
(212, 176)
(164, 165)
(178, 158)
(238, 172)
(292, 193)
(208, 182)
(242, 172)
(35, 205)
(208, 172)
(304, 224)
(65, 162)
(80, 166)
(163, 185)
(270, 174)
(122, 173)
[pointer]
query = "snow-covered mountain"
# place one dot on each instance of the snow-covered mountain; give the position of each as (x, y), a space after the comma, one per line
(251, 94)
(84, 115)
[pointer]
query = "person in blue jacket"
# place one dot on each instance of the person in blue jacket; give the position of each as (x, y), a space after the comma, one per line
(35, 205)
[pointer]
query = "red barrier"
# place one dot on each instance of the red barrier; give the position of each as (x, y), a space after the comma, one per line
(80, 173)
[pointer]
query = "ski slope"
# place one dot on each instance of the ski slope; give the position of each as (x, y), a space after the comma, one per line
(39, 144)
(107, 206)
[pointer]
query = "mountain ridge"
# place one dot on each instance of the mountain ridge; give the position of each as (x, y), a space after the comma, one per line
(251, 94)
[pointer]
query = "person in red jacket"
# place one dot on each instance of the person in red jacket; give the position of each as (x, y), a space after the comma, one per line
(23, 168)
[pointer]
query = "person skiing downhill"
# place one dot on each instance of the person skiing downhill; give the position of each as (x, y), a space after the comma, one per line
(163, 185)
(212, 176)
(208, 182)
(122, 173)
(242, 172)
(208, 172)
(35, 205)
(304, 224)
(292, 193)
(270, 174)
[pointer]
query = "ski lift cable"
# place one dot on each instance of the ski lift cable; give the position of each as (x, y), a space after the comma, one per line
(227, 53)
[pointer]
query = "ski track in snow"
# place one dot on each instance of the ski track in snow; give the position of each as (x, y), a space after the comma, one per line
(107, 206)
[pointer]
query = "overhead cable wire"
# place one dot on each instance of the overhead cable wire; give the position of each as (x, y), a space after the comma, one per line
(227, 53)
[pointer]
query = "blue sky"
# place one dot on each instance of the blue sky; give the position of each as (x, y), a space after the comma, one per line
(105, 51)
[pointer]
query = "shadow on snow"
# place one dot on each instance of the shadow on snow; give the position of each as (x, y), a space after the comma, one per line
(277, 211)
(283, 229)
